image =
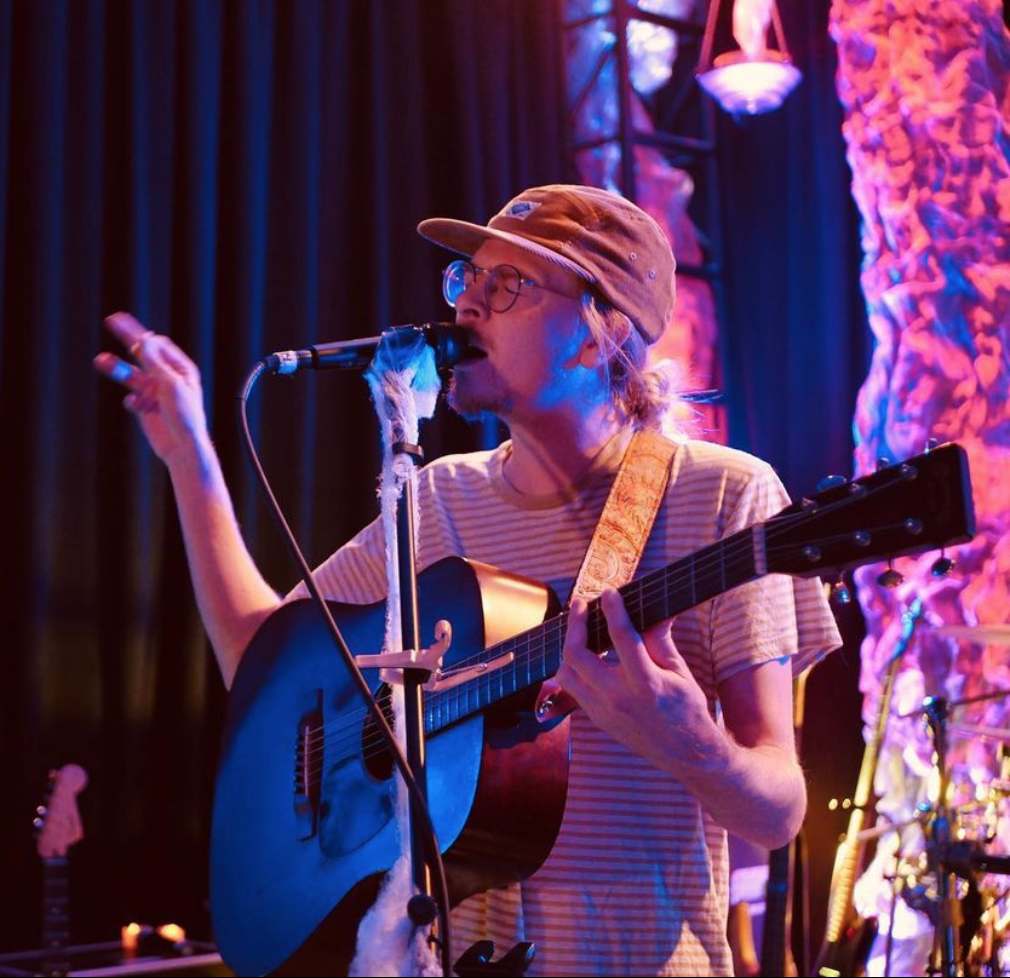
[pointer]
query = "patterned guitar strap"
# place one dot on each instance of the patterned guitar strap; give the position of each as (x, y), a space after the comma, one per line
(619, 538)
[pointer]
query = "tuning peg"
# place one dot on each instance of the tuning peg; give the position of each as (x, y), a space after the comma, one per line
(931, 443)
(890, 577)
(943, 565)
(840, 594)
(883, 462)
(830, 481)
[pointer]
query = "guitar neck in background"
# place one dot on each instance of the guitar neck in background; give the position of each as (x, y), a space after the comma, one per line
(849, 857)
(58, 826)
(55, 916)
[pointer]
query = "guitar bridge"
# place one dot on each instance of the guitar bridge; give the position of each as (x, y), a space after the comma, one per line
(310, 756)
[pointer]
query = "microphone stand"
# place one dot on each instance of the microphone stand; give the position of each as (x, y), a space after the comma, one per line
(421, 908)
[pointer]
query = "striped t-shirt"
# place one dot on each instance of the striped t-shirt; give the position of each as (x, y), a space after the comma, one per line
(636, 883)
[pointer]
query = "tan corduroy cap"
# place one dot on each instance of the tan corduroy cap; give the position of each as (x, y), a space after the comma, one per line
(600, 236)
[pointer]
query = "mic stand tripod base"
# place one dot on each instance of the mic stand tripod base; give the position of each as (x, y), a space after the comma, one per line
(476, 961)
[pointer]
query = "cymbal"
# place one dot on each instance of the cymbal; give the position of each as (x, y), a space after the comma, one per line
(980, 634)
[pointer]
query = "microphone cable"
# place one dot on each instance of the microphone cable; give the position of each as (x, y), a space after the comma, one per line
(416, 795)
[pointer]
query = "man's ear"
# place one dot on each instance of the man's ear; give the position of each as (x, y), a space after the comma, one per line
(590, 354)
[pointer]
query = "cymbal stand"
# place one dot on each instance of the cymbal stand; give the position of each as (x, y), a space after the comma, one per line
(938, 840)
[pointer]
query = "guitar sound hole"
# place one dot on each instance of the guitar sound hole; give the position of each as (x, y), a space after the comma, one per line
(375, 753)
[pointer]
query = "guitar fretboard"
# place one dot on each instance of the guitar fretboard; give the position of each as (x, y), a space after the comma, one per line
(536, 653)
(55, 916)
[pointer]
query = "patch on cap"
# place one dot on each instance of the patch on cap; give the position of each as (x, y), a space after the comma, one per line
(519, 210)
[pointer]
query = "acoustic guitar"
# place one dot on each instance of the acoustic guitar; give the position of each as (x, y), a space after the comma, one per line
(304, 824)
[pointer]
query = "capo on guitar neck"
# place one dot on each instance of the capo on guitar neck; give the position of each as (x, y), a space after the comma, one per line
(429, 660)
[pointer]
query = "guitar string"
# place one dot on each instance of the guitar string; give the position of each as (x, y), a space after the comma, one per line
(547, 635)
(453, 705)
(333, 736)
(651, 587)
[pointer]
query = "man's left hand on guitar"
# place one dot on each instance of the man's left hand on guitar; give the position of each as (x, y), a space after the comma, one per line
(628, 689)
(644, 695)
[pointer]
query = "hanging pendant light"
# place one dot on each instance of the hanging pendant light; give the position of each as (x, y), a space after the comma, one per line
(756, 78)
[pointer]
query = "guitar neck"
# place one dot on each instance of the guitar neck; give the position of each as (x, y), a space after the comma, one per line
(847, 864)
(699, 577)
(843, 879)
(59, 827)
(535, 655)
(920, 504)
(55, 915)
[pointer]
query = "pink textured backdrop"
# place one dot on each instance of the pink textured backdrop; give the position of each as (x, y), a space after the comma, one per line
(925, 91)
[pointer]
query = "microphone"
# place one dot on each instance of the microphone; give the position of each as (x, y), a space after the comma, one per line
(448, 341)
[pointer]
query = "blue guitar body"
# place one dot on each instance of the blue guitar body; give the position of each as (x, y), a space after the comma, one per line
(304, 821)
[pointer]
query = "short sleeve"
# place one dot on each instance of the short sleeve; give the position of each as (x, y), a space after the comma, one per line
(355, 574)
(775, 616)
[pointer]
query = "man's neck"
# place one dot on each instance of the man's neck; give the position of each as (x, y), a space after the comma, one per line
(554, 456)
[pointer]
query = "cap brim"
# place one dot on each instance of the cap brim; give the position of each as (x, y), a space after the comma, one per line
(465, 239)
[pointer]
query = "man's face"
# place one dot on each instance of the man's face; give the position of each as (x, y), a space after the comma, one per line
(532, 351)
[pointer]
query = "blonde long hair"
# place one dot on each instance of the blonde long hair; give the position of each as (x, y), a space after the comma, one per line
(642, 395)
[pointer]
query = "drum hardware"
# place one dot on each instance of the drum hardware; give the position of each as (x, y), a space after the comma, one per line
(950, 856)
(979, 634)
(980, 731)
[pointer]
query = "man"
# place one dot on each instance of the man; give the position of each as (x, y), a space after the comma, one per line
(683, 733)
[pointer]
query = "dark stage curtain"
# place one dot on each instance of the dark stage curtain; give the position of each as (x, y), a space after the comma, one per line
(245, 176)
(797, 344)
(797, 347)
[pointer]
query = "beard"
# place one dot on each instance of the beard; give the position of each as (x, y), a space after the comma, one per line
(473, 399)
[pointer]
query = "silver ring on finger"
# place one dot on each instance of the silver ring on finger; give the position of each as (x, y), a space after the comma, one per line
(136, 345)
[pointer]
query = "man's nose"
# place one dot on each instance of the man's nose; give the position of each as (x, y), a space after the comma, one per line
(471, 303)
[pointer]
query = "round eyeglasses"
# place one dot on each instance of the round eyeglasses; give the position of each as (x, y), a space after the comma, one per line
(502, 284)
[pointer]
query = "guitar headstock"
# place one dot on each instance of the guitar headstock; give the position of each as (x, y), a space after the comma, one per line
(58, 820)
(921, 504)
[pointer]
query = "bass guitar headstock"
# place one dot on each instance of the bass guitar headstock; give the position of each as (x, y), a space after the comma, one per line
(57, 820)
